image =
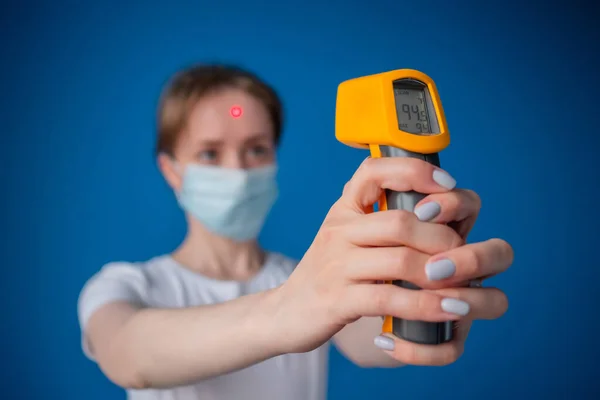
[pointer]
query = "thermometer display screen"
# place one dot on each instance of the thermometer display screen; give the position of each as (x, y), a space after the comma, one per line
(412, 108)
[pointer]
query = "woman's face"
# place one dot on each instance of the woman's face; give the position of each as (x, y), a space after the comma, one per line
(216, 135)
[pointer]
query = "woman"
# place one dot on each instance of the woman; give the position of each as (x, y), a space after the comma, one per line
(220, 318)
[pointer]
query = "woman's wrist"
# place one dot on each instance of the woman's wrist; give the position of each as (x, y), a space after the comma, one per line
(263, 322)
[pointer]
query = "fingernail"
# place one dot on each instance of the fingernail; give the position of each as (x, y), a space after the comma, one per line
(443, 179)
(384, 343)
(440, 269)
(428, 211)
(455, 306)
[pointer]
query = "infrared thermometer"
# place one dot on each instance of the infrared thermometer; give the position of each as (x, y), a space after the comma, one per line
(396, 114)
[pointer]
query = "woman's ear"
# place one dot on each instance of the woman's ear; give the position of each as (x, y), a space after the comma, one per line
(168, 167)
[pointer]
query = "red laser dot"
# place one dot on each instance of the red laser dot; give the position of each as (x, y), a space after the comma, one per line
(236, 111)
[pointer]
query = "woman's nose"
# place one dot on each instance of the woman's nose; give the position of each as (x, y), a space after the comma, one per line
(234, 160)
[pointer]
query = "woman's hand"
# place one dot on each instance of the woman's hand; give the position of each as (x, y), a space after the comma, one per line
(334, 284)
(459, 209)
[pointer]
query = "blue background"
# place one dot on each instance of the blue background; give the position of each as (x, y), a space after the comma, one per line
(80, 185)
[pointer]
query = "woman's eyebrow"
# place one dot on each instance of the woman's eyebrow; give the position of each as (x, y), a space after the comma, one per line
(209, 142)
(257, 137)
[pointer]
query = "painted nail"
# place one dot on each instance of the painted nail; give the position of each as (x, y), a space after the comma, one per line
(428, 211)
(455, 306)
(384, 343)
(443, 179)
(440, 269)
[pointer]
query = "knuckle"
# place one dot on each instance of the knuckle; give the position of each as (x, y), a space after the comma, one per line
(346, 188)
(329, 233)
(414, 166)
(334, 211)
(381, 298)
(427, 303)
(364, 172)
(401, 220)
(475, 198)
(403, 263)
(452, 200)
(473, 263)
(396, 224)
(366, 169)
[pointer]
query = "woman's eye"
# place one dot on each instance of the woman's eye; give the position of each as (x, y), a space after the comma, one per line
(260, 151)
(208, 155)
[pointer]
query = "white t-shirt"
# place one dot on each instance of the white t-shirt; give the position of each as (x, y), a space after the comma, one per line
(162, 283)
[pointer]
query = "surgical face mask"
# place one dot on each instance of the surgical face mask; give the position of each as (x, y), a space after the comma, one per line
(229, 202)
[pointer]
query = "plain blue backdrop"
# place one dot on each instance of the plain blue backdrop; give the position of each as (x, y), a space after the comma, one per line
(79, 85)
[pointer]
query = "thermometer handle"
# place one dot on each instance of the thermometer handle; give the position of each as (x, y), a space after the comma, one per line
(414, 331)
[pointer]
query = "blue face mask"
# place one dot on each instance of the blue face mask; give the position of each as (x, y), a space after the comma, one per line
(229, 202)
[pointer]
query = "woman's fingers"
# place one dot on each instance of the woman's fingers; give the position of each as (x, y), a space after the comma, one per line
(420, 354)
(386, 264)
(394, 173)
(484, 303)
(456, 205)
(471, 261)
(452, 268)
(372, 300)
(458, 208)
(400, 228)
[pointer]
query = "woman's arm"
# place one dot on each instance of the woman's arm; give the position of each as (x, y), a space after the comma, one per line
(142, 348)
(332, 287)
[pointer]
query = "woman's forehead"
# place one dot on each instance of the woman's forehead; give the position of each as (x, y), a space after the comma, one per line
(230, 114)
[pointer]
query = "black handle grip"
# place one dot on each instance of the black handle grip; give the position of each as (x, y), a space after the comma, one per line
(422, 332)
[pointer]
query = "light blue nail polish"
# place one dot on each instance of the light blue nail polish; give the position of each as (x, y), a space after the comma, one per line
(428, 211)
(455, 306)
(443, 179)
(440, 269)
(384, 343)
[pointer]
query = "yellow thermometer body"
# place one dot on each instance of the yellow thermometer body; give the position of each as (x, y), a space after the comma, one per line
(396, 114)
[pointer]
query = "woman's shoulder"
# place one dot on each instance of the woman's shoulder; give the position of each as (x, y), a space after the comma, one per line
(131, 270)
(117, 281)
(160, 261)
